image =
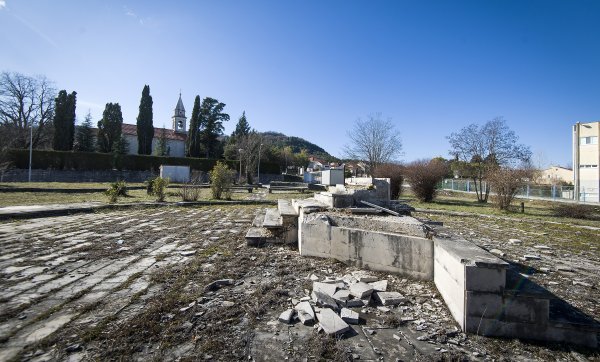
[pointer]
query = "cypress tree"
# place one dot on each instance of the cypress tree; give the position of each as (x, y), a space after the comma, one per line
(109, 127)
(84, 138)
(145, 128)
(64, 121)
(242, 128)
(212, 118)
(193, 140)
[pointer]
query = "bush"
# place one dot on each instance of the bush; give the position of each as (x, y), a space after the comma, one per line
(150, 186)
(505, 183)
(394, 173)
(577, 211)
(423, 176)
(221, 180)
(159, 186)
(116, 189)
(190, 192)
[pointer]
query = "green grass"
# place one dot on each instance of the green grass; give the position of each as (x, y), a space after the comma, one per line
(61, 185)
(467, 203)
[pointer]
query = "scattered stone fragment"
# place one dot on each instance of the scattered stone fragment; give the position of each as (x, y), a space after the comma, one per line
(313, 277)
(542, 247)
(187, 252)
(286, 316)
(227, 304)
(583, 284)
(361, 290)
(383, 309)
(349, 316)
(545, 270)
(73, 348)
(355, 303)
(390, 298)
(397, 337)
(218, 284)
(331, 323)
(324, 288)
(564, 268)
(370, 331)
(379, 286)
(515, 241)
(306, 314)
(304, 299)
(531, 257)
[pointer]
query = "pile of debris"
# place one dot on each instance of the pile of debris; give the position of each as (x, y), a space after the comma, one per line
(331, 302)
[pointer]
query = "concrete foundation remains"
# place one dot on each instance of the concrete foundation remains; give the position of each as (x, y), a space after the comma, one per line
(483, 293)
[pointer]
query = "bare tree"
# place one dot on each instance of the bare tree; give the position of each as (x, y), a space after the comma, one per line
(250, 143)
(373, 141)
(25, 102)
(506, 183)
(479, 149)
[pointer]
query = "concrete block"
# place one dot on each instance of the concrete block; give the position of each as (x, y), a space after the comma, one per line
(389, 298)
(349, 316)
(285, 208)
(483, 279)
(341, 295)
(331, 323)
(323, 300)
(272, 219)
(286, 316)
(325, 288)
(361, 290)
(355, 303)
(379, 286)
(306, 314)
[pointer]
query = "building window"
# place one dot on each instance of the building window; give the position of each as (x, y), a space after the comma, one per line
(591, 140)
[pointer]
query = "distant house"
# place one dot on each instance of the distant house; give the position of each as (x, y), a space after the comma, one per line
(176, 136)
(555, 175)
(586, 161)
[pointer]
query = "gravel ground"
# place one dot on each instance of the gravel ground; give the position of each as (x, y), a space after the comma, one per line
(132, 285)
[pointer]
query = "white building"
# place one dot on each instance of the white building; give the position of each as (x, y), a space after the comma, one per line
(176, 136)
(586, 161)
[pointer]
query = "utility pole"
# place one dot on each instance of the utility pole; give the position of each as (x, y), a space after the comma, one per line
(30, 148)
(258, 171)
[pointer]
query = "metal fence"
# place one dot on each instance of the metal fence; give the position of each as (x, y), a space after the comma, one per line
(549, 192)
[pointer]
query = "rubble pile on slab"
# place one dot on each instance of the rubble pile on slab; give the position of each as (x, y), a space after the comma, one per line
(330, 307)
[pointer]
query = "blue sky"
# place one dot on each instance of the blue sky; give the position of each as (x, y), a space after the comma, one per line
(311, 68)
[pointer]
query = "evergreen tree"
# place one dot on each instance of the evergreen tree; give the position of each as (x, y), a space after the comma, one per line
(162, 146)
(64, 121)
(193, 141)
(145, 128)
(242, 128)
(212, 118)
(84, 138)
(109, 127)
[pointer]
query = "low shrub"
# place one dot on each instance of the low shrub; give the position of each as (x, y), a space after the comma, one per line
(423, 176)
(190, 192)
(159, 186)
(221, 180)
(116, 190)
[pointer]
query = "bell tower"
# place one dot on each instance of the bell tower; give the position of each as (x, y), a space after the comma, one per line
(179, 120)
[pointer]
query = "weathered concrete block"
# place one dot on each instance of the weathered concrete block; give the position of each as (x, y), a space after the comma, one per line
(389, 298)
(341, 295)
(361, 290)
(323, 300)
(483, 279)
(286, 316)
(306, 314)
(331, 323)
(379, 286)
(325, 288)
(349, 316)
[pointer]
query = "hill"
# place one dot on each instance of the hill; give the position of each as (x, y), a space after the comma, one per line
(297, 144)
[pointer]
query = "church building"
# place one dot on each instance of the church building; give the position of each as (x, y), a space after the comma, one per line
(176, 136)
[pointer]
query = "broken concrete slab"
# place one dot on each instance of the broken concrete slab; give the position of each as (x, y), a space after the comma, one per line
(306, 314)
(349, 316)
(331, 323)
(379, 286)
(323, 300)
(341, 295)
(361, 290)
(325, 288)
(389, 298)
(286, 316)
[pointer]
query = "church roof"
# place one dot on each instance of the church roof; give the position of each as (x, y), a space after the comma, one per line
(131, 129)
(179, 106)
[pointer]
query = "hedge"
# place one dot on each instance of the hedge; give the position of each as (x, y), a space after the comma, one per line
(71, 160)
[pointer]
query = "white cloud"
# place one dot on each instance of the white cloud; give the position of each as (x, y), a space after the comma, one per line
(2, 4)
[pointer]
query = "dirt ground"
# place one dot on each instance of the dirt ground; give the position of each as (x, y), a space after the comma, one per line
(132, 285)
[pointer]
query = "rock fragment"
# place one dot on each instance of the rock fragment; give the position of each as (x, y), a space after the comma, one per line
(389, 298)
(361, 290)
(349, 316)
(286, 316)
(331, 323)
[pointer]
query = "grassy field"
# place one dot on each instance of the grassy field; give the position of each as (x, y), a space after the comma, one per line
(41, 198)
(534, 209)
